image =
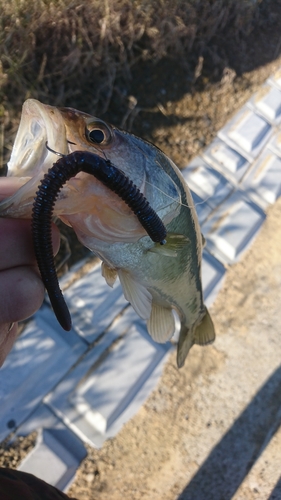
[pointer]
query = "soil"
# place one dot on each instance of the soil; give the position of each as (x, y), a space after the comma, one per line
(158, 451)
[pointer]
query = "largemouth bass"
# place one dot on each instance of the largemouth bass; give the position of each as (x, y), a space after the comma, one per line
(155, 278)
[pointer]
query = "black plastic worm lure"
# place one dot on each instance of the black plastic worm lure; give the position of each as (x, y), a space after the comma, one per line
(66, 167)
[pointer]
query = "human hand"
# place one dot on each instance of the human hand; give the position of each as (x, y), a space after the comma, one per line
(21, 288)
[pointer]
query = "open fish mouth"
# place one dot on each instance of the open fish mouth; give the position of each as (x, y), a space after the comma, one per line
(40, 124)
(30, 159)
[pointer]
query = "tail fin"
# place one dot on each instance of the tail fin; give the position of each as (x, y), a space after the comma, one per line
(203, 334)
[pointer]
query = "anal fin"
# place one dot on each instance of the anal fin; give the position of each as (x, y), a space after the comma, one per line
(138, 296)
(161, 324)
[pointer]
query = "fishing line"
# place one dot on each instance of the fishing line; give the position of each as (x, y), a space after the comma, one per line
(175, 200)
(163, 192)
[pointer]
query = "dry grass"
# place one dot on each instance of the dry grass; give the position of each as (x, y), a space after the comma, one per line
(69, 52)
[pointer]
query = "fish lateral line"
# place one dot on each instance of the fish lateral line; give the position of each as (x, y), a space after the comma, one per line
(66, 167)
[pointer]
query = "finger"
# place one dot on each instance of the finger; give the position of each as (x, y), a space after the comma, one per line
(7, 340)
(17, 245)
(9, 185)
(21, 293)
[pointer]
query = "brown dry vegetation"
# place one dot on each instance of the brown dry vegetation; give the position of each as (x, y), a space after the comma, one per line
(83, 54)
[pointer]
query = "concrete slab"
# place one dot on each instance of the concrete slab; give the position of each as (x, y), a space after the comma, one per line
(57, 453)
(247, 133)
(267, 103)
(93, 305)
(275, 79)
(209, 184)
(263, 181)
(226, 160)
(275, 142)
(109, 385)
(203, 210)
(41, 356)
(41, 418)
(232, 227)
(213, 273)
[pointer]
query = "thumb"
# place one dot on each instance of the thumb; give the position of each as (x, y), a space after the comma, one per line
(9, 185)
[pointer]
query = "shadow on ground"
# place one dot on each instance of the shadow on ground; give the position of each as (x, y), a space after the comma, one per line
(233, 457)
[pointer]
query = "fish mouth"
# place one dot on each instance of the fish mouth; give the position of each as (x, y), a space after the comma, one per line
(40, 124)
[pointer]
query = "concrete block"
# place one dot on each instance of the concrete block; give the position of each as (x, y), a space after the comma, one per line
(275, 79)
(213, 273)
(203, 210)
(41, 356)
(55, 457)
(109, 385)
(267, 103)
(232, 227)
(263, 181)
(247, 133)
(209, 184)
(226, 160)
(93, 304)
(275, 143)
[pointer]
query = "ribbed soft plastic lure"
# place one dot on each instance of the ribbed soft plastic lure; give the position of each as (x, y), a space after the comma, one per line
(66, 167)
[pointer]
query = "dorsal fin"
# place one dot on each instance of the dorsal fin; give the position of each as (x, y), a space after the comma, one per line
(161, 324)
(136, 294)
(109, 274)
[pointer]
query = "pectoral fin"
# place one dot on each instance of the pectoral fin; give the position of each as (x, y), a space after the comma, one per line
(174, 243)
(109, 274)
(161, 324)
(136, 294)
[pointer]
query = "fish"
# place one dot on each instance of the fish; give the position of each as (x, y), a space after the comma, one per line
(156, 279)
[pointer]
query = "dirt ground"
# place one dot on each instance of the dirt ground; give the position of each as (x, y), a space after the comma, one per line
(157, 453)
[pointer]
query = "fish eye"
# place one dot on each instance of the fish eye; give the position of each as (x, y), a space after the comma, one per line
(98, 133)
(96, 136)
